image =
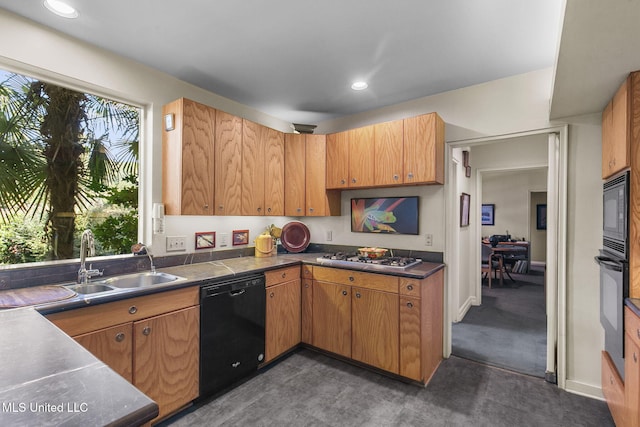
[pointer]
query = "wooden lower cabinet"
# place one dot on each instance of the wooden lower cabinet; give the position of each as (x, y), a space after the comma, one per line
(114, 346)
(632, 368)
(374, 328)
(306, 305)
(166, 359)
(332, 317)
(282, 328)
(410, 365)
(152, 341)
(613, 390)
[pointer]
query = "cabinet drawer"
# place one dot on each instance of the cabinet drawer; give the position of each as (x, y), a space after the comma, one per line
(410, 287)
(307, 271)
(281, 275)
(83, 320)
(613, 389)
(377, 282)
(632, 325)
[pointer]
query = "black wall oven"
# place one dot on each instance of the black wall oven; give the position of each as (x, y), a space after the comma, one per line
(614, 265)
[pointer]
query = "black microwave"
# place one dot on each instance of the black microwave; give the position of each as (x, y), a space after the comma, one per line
(615, 215)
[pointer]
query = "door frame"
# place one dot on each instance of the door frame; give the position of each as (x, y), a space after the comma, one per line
(558, 143)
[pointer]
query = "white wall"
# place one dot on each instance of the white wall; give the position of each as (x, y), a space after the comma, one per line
(509, 105)
(509, 192)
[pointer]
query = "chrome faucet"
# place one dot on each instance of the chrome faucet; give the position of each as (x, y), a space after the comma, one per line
(148, 252)
(87, 247)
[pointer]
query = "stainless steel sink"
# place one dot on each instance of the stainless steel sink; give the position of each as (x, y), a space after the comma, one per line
(90, 288)
(138, 280)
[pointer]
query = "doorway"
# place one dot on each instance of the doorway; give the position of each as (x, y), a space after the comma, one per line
(462, 296)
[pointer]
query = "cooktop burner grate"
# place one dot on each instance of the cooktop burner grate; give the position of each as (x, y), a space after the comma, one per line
(353, 260)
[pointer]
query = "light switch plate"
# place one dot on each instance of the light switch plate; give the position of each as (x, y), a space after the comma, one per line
(176, 243)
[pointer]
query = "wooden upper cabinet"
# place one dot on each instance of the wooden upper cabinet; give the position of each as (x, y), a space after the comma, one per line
(228, 164)
(388, 147)
(424, 150)
(337, 160)
(294, 174)
(188, 159)
(253, 167)
(319, 202)
(274, 173)
(361, 157)
(616, 132)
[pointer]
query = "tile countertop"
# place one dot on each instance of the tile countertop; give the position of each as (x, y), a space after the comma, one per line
(49, 380)
(634, 305)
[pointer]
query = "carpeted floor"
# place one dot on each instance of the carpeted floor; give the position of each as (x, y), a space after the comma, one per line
(509, 329)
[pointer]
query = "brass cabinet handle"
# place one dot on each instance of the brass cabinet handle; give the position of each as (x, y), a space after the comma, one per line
(409, 287)
(344, 293)
(146, 330)
(358, 295)
(133, 309)
(119, 337)
(410, 304)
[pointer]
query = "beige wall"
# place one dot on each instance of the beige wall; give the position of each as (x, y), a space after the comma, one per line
(509, 105)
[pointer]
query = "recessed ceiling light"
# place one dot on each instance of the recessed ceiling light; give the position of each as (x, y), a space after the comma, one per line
(359, 85)
(61, 8)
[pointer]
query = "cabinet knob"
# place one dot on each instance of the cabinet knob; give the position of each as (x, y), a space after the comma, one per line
(344, 293)
(351, 278)
(353, 180)
(635, 358)
(206, 206)
(119, 337)
(299, 209)
(358, 295)
(146, 331)
(259, 209)
(306, 285)
(409, 287)
(133, 309)
(343, 181)
(611, 380)
(269, 210)
(396, 177)
(410, 304)
(310, 209)
(271, 295)
(410, 175)
(284, 275)
(638, 332)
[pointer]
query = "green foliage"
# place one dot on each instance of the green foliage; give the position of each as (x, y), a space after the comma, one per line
(116, 233)
(22, 240)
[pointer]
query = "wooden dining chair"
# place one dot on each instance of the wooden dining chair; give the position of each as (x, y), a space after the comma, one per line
(491, 263)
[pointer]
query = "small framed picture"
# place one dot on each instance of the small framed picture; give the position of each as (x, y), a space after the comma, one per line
(488, 214)
(240, 237)
(465, 205)
(206, 240)
(541, 217)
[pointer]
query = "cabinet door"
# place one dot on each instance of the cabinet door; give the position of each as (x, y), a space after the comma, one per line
(166, 358)
(424, 149)
(632, 380)
(374, 322)
(410, 338)
(607, 140)
(388, 150)
(613, 389)
(306, 320)
(282, 329)
(187, 159)
(337, 160)
(294, 174)
(114, 346)
(619, 130)
(332, 317)
(274, 173)
(254, 137)
(361, 157)
(228, 164)
(316, 193)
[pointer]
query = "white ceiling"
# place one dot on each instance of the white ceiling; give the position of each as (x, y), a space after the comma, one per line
(296, 59)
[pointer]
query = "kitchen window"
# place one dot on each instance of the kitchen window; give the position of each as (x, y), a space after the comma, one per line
(68, 162)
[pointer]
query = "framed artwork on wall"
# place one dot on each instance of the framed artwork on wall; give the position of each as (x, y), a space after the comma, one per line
(488, 211)
(240, 237)
(389, 215)
(541, 217)
(206, 240)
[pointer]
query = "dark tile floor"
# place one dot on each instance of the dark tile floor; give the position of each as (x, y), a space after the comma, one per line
(310, 389)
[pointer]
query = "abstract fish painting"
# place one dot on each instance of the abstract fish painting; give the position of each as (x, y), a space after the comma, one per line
(389, 215)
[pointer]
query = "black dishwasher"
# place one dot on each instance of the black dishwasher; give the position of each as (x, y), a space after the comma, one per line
(232, 317)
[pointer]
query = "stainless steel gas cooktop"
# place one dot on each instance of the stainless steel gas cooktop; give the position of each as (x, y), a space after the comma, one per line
(340, 259)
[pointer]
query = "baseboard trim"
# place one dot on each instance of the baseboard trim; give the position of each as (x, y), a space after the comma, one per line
(462, 311)
(583, 389)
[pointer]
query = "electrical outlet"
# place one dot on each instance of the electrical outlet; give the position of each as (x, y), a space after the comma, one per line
(329, 235)
(428, 239)
(176, 243)
(224, 239)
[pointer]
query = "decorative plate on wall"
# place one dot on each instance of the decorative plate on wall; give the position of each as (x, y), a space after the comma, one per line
(295, 237)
